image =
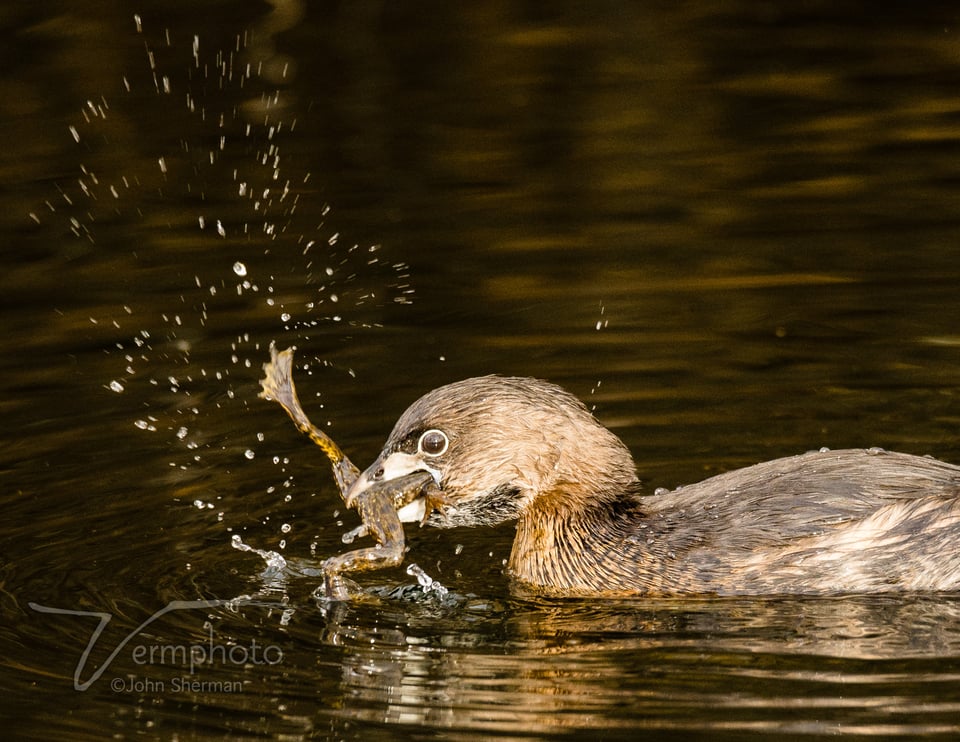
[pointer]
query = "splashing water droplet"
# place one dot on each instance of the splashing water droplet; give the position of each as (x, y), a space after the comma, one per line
(249, 453)
(116, 386)
(239, 268)
(350, 536)
(275, 562)
(428, 584)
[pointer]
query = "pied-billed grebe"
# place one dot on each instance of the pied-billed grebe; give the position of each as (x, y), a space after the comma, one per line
(504, 448)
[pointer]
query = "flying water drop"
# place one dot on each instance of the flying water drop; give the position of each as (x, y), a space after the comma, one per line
(428, 584)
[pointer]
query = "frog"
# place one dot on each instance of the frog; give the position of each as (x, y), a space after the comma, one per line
(382, 508)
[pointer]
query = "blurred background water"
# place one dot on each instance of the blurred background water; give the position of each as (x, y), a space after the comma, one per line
(729, 228)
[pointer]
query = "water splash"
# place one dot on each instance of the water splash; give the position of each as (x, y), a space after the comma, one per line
(430, 586)
(277, 257)
(352, 535)
(274, 560)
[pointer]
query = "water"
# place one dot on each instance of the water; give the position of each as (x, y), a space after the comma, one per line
(731, 230)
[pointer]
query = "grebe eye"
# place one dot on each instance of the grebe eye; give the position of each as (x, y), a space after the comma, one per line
(433, 443)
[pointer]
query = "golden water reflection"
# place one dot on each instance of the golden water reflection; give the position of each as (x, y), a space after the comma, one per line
(710, 664)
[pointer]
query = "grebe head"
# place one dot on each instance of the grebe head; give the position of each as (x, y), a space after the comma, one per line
(498, 446)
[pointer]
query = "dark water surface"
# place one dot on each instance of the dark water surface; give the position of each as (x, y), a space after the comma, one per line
(733, 229)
